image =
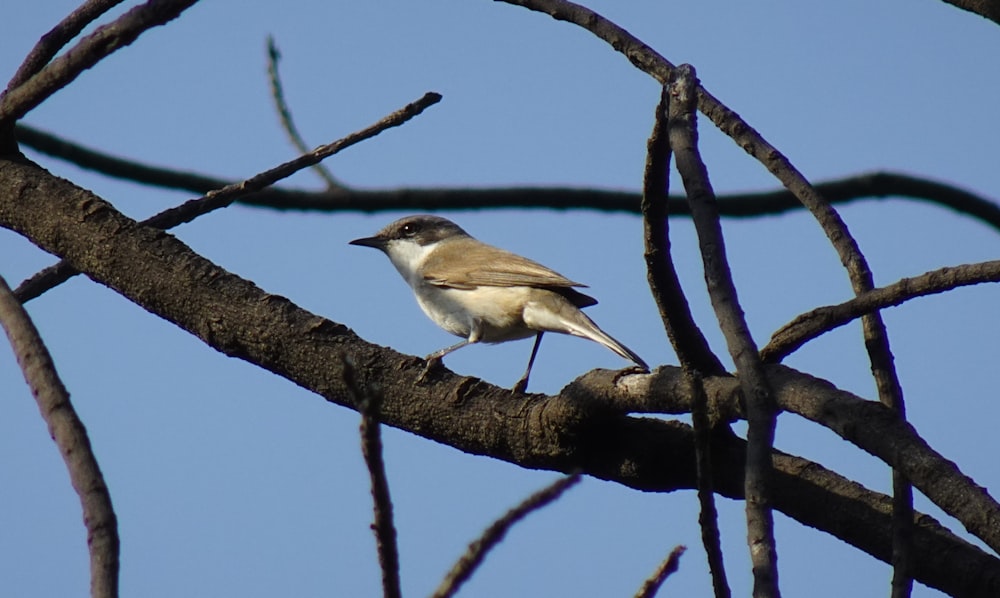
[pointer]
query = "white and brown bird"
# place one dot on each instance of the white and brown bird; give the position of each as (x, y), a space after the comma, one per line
(485, 294)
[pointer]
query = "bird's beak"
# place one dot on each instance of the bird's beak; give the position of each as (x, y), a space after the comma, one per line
(376, 242)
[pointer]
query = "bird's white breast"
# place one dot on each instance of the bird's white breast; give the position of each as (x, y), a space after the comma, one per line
(485, 313)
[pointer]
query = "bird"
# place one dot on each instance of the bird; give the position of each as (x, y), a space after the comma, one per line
(485, 294)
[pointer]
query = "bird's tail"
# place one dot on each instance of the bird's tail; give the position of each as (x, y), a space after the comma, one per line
(570, 320)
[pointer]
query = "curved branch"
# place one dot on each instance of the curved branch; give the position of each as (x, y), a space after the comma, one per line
(821, 320)
(71, 438)
(92, 49)
(573, 430)
(285, 113)
(57, 37)
(879, 185)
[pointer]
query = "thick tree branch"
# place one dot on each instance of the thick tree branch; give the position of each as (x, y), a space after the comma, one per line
(870, 426)
(821, 320)
(92, 49)
(878, 185)
(71, 438)
(576, 429)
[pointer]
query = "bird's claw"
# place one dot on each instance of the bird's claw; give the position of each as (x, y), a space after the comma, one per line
(433, 363)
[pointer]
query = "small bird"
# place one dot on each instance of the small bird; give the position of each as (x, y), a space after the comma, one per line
(483, 293)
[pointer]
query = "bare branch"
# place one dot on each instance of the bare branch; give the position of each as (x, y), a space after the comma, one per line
(61, 272)
(582, 427)
(71, 438)
(476, 553)
(736, 205)
(868, 425)
(666, 568)
(687, 339)
(761, 411)
(804, 328)
(285, 114)
(92, 49)
(689, 343)
(367, 400)
(60, 35)
(988, 9)
(708, 518)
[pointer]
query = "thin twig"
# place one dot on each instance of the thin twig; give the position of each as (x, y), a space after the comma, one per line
(221, 198)
(71, 438)
(722, 292)
(668, 567)
(368, 402)
(92, 49)
(285, 114)
(476, 553)
(808, 326)
(874, 185)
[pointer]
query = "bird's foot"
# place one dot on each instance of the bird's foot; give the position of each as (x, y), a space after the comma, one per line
(433, 363)
(521, 387)
(634, 369)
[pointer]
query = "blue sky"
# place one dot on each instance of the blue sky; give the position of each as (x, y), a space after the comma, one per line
(229, 481)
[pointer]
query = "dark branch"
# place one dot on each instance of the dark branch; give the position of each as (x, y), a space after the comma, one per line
(494, 534)
(367, 400)
(92, 49)
(761, 412)
(689, 343)
(879, 185)
(71, 438)
(220, 198)
(668, 567)
(577, 429)
(821, 320)
(285, 114)
(57, 37)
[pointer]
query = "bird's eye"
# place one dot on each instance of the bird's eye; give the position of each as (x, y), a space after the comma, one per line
(409, 230)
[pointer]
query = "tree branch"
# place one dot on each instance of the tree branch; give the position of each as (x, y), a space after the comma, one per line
(689, 343)
(804, 328)
(668, 567)
(92, 49)
(494, 534)
(576, 429)
(879, 185)
(761, 411)
(285, 114)
(988, 9)
(57, 37)
(367, 401)
(71, 438)
(220, 198)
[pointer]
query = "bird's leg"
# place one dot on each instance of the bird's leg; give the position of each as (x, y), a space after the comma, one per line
(434, 359)
(522, 384)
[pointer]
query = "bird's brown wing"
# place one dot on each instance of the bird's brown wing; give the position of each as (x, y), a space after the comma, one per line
(482, 265)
